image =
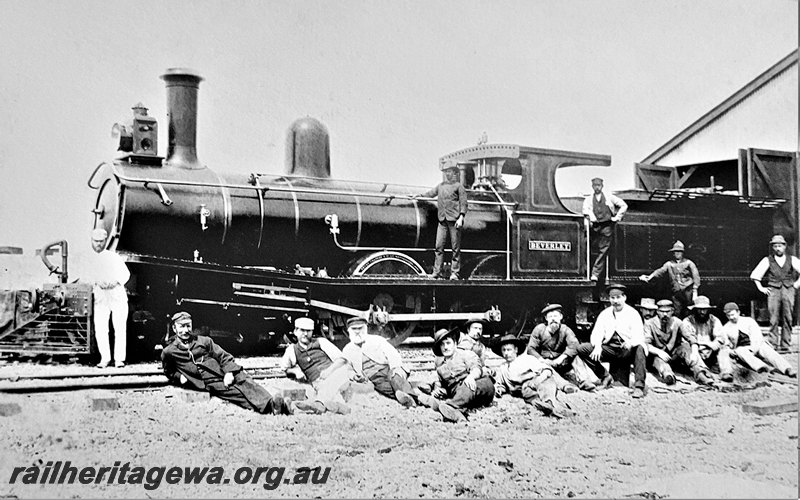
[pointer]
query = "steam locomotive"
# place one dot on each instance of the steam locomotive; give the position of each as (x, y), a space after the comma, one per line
(245, 254)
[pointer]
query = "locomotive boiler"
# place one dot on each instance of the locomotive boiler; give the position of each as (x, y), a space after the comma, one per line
(246, 253)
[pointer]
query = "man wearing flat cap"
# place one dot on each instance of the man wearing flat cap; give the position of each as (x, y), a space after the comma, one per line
(373, 358)
(527, 377)
(451, 205)
(617, 337)
(683, 276)
(557, 346)
(461, 383)
(108, 273)
(602, 212)
(197, 362)
(747, 341)
(668, 345)
(471, 339)
(781, 275)
(704, 331)
(320, 363)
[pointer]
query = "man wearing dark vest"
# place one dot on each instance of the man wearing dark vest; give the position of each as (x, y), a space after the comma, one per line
(197, 362)
(781, 274)
(603, 212)
(321, 363)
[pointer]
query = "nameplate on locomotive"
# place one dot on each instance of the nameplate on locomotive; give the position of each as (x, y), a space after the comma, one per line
(550, 246)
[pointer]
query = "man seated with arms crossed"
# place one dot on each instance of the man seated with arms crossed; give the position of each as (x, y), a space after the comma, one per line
(196, 362)
(321, 363)
(667, 344)
(748, 343)
(557, 346)
(704, 331)
(461, 382)
(528, 377)
(373, 358)
(617, 337)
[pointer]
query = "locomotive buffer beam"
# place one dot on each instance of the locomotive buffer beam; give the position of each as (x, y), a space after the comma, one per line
(375, 315)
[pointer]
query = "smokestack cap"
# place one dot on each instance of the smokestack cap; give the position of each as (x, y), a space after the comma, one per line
(185, 72)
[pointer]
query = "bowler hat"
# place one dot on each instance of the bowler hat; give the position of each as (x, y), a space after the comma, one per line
(439, 336)
(617, 286)
(476, 320)
(180, 315)
(665, 304)
(648, 304)
(447, 165)
(701, 302)
(497, 347)
(777, 239)
(551, 307)
(355, 320)
(677, 247)
(597, 179)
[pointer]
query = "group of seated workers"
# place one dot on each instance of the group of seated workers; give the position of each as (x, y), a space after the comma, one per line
(552, 362)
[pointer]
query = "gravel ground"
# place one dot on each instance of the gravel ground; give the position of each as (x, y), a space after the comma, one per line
(695, 443)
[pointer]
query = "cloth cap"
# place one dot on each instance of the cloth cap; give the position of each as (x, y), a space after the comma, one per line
(304, 323)
(616, 286)
(497, 347)
(648, 304)
(730, 306)
(447, 165)
(355, 320)
(701, 302)
(597, 179)
(777, 239)
(665, 304)
(439, 336)
(99, 234)
(180, 315)
(551, 307)
(477, 320)
(677, 247)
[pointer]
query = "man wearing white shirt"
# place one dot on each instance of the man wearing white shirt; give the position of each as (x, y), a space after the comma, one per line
(781, 273)
(602, 212)
(109, 275)
(617, 337)
(748, 343)
(373, 358)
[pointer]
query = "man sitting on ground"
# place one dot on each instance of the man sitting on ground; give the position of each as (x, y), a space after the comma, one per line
(528, 377)
(617, 337)
(471, 340)
(704, 330)
(373, 358)
(461, 382)
(667, 344)
(321, 363)
(196, 362)
(556, 344)
(745, 336)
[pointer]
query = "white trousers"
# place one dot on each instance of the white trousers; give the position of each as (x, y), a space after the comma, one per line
(111, 303)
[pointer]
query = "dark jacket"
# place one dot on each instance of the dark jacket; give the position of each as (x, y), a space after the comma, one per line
(451, 200)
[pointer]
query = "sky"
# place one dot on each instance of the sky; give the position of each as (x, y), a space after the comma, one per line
(397, 83)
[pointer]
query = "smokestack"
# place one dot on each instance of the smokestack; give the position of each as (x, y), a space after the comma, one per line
(182, 85)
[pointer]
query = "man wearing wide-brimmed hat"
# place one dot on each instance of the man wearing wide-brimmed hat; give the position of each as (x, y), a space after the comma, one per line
(667, 345)
(197, 362)
(470, 340)
(781, 275)
(683, 276)
(108, 273)
(556, 344)
(322, 364)
(617, 337)
(704, 331)
(461, 383)
(528, 377)
(748, 343)
(451, 205)
(647, 308)
(373, 358)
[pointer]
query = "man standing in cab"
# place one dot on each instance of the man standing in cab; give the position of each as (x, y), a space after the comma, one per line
(602, 212)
